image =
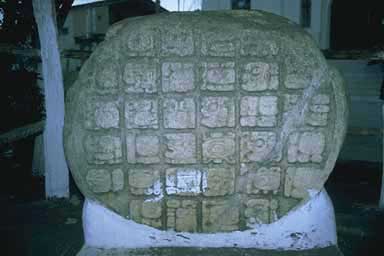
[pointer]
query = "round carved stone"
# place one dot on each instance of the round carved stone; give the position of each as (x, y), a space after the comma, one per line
(204, 122)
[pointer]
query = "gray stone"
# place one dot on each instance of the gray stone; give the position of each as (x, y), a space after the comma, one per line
(217, 112)
(180, 148)
(219, 147)
(219, 76)
(102, 115)
(105, 149)
(143, 148)
(183, 181)
(204, 122)
(144, 182)
(260, 111)
(178, 77)
(99, 180)
(179, 113)
(260, 76)
(257, 146)
(220, 215)
(218, 181)
(142, 113)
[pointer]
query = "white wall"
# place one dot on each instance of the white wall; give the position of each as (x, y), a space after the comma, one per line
(320, 14)
(209, 5)
(80, 22)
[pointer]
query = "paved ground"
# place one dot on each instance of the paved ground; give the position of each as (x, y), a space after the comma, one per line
(32, 226)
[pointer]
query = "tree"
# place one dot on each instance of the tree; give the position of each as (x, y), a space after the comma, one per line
(56, 169)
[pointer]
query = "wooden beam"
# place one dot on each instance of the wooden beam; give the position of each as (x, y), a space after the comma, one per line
(22, 132)
(56, 170)
(14, 50)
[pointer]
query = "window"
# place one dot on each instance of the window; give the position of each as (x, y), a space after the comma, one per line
(306, 7)
(241, 4)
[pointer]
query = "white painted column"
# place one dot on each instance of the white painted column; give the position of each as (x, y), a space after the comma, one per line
(321, 22)
(273, 6)
(210, 5)
(292, 10)
(316, 17)
(326, 25)
(56, 170)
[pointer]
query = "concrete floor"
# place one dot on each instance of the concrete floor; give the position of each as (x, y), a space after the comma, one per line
(30, 225)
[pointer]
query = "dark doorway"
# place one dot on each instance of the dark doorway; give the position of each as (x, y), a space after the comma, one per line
(357, 24)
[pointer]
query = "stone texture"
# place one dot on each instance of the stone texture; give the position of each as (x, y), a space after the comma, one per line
(182, 215)
(177, 41)
(204, 122)
(299, 180)
(140, 77)
(147, 212)
(219, 147)
(217, 112)
(219, 44)
(105, 149)
(263, 180)
(101, 115)
(102, 181)
(143, 148)
(260, 211)
(220, 215)
(179, 113)
(256, 146)
(117, 180)
(142, 113)
(258, 111)
(180, 148)
(260, 76)
(183, 181)
(306, 147)
(219, 76)
(99, 180)
(144, 182)
(178, 77)
(140, 43)
(106, 79)
(318, 110)
(218, 181)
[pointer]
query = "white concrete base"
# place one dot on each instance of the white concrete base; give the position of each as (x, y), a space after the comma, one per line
(310, 226)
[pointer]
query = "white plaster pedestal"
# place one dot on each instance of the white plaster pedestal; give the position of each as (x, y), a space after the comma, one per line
(310, 226)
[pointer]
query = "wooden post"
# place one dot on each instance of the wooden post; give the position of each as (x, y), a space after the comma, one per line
(56, 170)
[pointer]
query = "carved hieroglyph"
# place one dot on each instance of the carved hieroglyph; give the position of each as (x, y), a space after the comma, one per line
(204, 122)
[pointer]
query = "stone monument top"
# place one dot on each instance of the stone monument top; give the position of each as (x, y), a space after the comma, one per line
(204, 122)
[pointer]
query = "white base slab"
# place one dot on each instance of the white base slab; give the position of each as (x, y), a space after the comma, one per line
(310, 226)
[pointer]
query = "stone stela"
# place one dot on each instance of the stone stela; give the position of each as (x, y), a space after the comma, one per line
(204, 122)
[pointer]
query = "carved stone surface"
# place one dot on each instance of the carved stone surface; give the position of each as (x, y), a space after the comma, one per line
(218, 112)
(182, 215)
(204, 122)
(260, 76)
(220, 215)
(258, 111)
(141, 114)
(178, 77)
(219, 147)
(143, 148)
(179, 113)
